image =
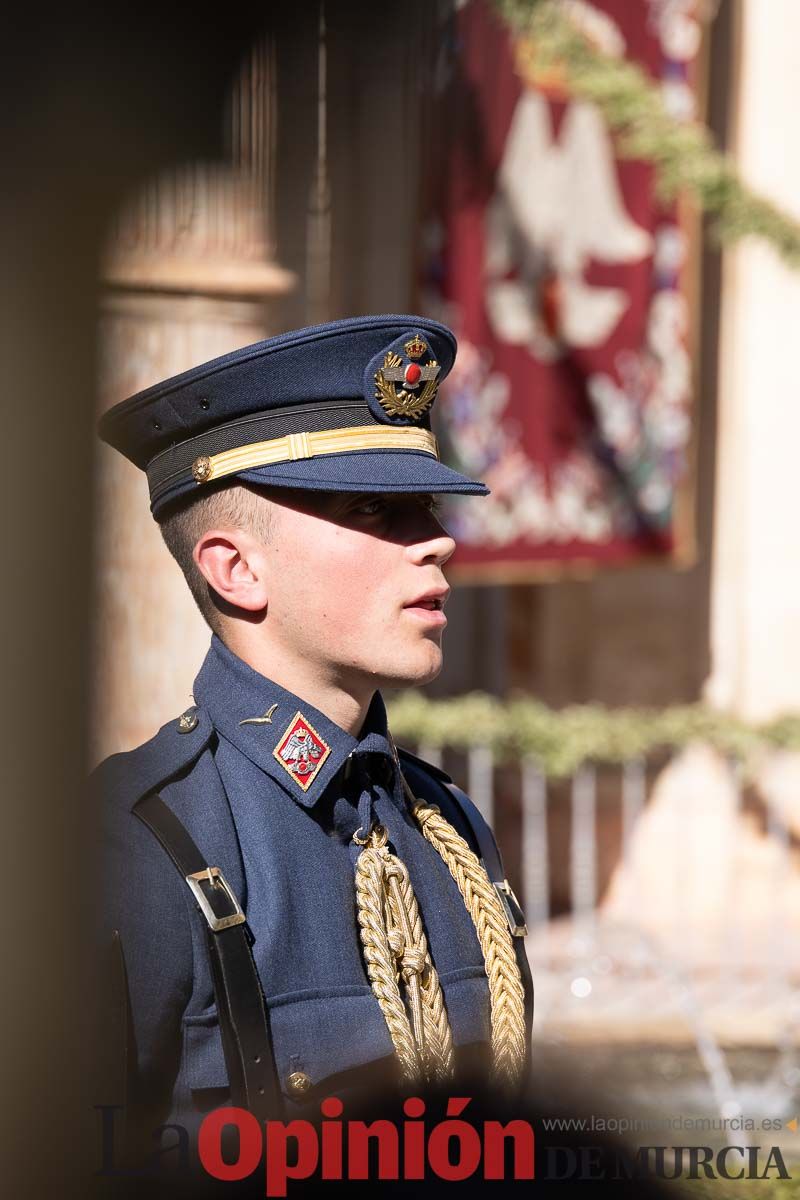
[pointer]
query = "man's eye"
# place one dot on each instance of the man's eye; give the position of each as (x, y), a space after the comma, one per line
(369, 508)
(381, 506)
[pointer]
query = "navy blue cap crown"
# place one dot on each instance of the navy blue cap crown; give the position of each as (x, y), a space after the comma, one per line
(343, 406)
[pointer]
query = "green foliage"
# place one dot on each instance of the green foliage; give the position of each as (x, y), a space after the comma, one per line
(560, 741)
(682, 152)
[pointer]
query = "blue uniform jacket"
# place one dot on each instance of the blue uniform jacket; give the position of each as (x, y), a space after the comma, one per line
(284, 846)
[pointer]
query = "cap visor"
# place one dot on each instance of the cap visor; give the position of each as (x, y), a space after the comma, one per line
(366, 471)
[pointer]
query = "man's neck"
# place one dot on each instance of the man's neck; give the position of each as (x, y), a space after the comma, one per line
(345, 705)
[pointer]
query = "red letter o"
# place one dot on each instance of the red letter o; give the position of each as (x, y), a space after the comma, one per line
(469, 1144)
(209, 1143)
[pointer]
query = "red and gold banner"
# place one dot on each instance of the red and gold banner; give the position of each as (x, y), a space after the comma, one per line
(564, 278)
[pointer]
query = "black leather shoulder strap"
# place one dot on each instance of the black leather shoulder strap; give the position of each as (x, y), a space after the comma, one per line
(243, 1017)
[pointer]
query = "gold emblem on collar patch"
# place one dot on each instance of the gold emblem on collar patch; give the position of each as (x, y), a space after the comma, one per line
(301, 751)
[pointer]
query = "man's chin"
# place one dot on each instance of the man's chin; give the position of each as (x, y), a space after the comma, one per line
(415, 674)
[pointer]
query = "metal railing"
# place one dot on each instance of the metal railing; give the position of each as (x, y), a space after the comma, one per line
(668, 975)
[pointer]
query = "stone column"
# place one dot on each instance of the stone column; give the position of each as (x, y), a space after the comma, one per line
(189, 275)
(708, 879)
(755, 630)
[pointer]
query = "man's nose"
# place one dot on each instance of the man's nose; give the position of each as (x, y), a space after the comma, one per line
(431, 545)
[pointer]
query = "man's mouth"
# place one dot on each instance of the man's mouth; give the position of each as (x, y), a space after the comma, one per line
(429, 606)
(434, 600)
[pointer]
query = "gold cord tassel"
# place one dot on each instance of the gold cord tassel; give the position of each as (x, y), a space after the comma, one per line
(507, 995)
(395, 949)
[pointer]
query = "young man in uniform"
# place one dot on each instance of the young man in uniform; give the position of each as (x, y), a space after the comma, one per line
(300, 908)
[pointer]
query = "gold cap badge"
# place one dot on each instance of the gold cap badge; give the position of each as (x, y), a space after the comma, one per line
(398, 386)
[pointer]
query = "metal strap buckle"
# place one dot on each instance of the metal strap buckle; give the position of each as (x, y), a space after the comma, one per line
(512, 908)
(213, 876)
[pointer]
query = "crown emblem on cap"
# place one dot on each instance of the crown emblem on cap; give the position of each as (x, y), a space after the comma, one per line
(398, 385)
(415, 348)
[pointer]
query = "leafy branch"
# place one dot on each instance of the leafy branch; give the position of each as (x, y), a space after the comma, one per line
(560, 741)
(549, 43)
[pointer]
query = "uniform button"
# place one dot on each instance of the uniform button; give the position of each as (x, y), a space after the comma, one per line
(298, 1083)
(187, 721)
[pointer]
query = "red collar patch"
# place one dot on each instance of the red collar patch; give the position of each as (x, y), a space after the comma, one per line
(301, 751)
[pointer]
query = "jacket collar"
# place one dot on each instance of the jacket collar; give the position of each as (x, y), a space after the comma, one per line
(290, 739)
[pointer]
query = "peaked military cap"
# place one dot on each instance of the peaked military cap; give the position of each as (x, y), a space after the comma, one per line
(343, 406)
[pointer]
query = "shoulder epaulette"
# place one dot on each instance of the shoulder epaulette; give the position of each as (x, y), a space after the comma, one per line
(132, 774)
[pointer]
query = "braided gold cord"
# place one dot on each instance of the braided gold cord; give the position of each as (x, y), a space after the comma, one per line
(436, 1038)
(437, 1032)
(395, 948)
(506, 992)
(380, 959)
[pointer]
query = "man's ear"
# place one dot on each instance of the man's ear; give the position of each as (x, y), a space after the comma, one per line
(234, 565)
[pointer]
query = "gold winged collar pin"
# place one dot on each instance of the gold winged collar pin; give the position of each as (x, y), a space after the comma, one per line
(266, 719)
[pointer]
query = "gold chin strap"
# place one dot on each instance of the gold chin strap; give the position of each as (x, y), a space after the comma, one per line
(396, 951)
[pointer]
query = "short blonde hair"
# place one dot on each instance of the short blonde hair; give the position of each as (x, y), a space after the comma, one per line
(230, 506)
